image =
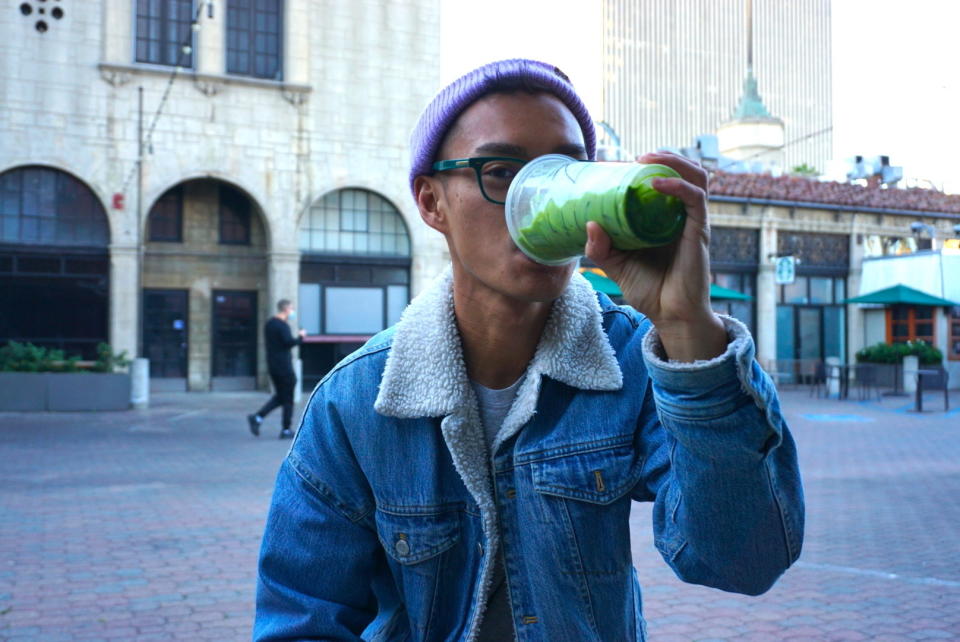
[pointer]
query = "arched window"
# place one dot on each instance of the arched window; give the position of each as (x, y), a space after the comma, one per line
(54, 266)
(354, 222)
(354, 275)
(44, 206)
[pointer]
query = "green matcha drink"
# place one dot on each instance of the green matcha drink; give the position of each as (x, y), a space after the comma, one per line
(553, 197)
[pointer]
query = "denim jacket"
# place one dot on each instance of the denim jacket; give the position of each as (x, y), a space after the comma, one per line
(389, 510)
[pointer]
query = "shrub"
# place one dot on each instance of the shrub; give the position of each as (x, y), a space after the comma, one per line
(894, 353)
(26, 357)
(107, 361)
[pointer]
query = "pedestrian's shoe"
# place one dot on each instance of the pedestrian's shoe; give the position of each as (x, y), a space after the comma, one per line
(286, 433)
(252, 421)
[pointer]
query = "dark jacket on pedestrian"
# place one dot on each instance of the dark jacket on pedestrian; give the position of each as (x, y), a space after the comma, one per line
(279, 340)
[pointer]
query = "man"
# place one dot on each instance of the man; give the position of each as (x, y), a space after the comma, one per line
(279, 341)
(468, 474)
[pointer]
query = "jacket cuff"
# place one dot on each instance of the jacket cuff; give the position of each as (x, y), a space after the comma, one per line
(726, 375)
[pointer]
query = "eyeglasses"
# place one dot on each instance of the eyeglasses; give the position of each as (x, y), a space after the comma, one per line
(494, 173)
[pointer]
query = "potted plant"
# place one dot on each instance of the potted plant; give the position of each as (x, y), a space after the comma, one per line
(37, 378)
(890, 359)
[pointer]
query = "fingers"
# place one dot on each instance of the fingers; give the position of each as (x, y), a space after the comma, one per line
(694, 199)
(688, 170)
(598, 244)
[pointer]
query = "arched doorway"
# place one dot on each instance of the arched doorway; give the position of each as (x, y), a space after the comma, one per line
(54, 261)
(204, 283)
(354, 275)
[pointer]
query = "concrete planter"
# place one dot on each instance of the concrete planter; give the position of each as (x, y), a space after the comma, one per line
(64, 391)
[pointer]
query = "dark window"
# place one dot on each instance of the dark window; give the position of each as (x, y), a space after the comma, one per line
(234, 217)
(742, 282)
(910, 323)
(166, 217)
(46, 301)
(254, 42)
(953, 345)
(163, 30)
(44, 206)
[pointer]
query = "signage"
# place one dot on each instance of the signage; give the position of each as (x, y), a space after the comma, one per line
(786, 270)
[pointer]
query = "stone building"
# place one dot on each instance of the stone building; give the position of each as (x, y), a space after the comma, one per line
(831, 228)
(273, 138)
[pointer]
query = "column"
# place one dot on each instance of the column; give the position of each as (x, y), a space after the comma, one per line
(211, 40)
(124, 300)
(856, 332)
(766, 338)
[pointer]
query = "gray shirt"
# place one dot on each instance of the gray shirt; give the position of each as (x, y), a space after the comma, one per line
(494, 405)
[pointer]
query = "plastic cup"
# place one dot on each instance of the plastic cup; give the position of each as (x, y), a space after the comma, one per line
(552, 198)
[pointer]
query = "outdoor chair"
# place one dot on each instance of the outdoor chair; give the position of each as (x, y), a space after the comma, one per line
(814, 374)
(867, 376)
(938, 381)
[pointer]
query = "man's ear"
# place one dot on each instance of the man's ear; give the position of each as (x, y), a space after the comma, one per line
(429, 195)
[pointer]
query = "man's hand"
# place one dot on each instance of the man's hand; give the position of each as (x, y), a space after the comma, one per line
(302, 333)
(671, 284)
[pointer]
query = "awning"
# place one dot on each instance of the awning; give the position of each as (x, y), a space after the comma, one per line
(900, 294)
(718, 293)
(602, 283)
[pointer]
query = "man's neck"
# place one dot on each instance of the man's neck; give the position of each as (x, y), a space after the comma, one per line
(499, 334)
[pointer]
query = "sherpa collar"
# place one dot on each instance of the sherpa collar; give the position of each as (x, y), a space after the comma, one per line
(425, 375)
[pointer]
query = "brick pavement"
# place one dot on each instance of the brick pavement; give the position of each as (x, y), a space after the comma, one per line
(145, 525)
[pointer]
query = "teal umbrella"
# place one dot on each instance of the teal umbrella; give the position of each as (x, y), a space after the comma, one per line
(602, 283)
(718, 293)
(609, 287)
(900, 294)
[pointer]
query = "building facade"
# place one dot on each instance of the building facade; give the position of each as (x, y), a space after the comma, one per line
(675, 69)
(170, 169)
(831, 229)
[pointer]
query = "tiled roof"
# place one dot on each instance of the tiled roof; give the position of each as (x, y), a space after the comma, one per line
(797, 188)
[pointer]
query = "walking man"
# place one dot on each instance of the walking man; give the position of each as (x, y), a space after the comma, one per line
(279, 341)
(468, 474)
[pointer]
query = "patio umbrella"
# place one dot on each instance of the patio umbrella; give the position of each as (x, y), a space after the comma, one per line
(718, 293)
(602, 283)
(900, 294)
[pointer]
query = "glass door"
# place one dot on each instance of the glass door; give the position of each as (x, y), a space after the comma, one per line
(234, 340)
(165, 333)
(809, 333)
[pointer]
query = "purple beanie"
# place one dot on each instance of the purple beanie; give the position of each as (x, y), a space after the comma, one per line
(504, 75)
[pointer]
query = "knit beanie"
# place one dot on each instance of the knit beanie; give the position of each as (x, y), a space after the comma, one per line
(504, 75)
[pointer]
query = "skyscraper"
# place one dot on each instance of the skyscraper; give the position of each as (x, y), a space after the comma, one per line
(675, 69)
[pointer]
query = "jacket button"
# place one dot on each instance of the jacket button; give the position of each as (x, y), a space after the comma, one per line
(402, 547)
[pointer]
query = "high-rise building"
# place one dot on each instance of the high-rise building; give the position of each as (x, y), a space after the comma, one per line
(675, 69)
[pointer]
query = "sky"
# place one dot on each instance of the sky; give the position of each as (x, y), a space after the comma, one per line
(896, 69)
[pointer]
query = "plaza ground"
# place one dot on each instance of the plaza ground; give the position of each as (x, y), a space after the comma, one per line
(145, 525)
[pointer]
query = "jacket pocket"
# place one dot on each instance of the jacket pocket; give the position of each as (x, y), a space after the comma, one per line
(420, 544)
(596, 476)
(411, 538)
(583, 506)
